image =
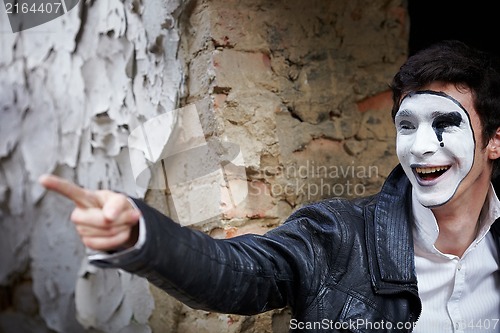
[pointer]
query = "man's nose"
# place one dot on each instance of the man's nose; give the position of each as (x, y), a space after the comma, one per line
(425, 142)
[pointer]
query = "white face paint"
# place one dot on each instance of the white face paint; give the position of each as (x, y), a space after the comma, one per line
(435, 145)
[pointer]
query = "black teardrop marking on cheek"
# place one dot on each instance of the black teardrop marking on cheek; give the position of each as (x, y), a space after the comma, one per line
(439, 133)
(441, 144)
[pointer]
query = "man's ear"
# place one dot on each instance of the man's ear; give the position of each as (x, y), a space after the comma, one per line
(494, 146)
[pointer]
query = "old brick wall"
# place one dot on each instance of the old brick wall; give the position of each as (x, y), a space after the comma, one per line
(302, 87)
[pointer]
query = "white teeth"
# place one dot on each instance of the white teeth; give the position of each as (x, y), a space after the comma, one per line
(431, 169)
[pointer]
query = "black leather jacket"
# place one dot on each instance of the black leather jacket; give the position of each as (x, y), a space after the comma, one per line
(340, 265)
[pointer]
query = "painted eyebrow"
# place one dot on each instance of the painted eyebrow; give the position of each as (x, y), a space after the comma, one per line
(436, 114)
(404, 113)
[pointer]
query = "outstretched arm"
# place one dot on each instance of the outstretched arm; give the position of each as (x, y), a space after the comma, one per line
(245, 275)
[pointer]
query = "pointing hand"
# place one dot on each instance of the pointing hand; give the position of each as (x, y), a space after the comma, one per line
(105, 220)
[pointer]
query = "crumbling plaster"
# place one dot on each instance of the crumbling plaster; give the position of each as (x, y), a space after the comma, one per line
(71, 91)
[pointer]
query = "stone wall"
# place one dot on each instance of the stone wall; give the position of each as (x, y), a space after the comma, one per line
(302, 87)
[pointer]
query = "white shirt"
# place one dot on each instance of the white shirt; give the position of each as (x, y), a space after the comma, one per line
(458, 294)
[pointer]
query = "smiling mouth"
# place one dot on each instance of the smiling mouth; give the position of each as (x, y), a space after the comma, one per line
(431, 173)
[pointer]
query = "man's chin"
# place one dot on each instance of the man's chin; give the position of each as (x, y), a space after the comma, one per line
(433, 200)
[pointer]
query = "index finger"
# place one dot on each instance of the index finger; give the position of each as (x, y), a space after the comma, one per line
(80, 196)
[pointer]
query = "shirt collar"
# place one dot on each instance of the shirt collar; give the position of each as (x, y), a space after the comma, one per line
(426, 229)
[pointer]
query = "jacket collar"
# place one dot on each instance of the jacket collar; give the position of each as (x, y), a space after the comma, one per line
(392, 230)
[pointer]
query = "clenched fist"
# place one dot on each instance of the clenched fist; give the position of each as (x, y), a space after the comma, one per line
(105, 220)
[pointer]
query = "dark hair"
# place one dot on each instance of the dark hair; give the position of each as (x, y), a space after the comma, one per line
(454, 62)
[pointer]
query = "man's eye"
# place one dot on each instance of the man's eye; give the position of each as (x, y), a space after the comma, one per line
(406, 125)
(448, 120)
(443, 124)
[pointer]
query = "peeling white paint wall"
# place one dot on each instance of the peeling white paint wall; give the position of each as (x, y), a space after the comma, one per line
(71, 90)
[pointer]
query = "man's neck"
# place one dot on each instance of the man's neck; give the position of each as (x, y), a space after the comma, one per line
(458, 221)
